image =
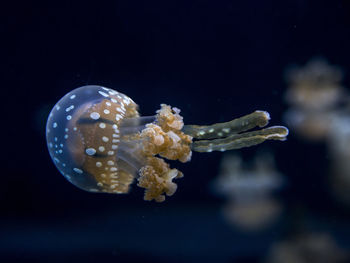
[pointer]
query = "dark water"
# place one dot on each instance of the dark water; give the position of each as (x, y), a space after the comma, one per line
(215, 60)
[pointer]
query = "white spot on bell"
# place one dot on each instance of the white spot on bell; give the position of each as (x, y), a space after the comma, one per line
(90, 151)
(104, 94)
(70, 108)
(95, 115)
(118, 117)
(77, 170)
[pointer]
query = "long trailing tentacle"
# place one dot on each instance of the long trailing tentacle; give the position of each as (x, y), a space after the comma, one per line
(233, 134)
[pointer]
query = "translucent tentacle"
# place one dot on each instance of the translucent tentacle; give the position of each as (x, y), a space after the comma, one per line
(224, 129)
(133, 125)
(237, 141)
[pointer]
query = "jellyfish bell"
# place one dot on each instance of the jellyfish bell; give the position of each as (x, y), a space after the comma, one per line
(100, 143)
(83, 134)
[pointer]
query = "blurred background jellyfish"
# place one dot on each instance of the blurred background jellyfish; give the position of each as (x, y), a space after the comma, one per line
(339, 154)
(310, 247)
(250, 205)
(314, 94)
(320, 111)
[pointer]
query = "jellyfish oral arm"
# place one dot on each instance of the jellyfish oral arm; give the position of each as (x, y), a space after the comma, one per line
(220, 130)
(238, 141)
(233, 135)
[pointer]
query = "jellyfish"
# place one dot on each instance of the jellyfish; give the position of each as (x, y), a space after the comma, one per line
(250, 204)
(315, 95)
(307, 246)
(100, 143)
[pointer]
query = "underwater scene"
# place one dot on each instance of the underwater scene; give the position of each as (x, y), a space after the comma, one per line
(176, 131)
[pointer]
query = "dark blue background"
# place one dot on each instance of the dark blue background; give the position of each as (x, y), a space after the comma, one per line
(215, 60)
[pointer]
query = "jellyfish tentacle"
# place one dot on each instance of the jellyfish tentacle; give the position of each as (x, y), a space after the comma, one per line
(133, 125)
(237, 141)
(135, 121)
(224, 129)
